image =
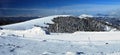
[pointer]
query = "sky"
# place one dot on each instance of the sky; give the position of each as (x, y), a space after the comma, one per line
(52, 7)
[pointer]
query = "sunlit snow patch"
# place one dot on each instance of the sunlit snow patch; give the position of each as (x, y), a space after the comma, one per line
(36, 31)
(85, 15)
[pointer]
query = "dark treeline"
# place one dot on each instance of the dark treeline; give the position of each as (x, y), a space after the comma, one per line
(11, 20)
(73, 24)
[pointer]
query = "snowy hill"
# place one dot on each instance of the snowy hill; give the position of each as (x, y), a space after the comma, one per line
(64, 24)
(11, 20)
(30, 24)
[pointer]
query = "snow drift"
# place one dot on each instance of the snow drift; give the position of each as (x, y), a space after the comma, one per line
(36, 31)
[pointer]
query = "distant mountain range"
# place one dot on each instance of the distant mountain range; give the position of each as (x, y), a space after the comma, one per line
(11, 20)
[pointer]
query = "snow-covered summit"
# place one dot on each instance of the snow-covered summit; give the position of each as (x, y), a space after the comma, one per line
(30, 24)
(85, 15)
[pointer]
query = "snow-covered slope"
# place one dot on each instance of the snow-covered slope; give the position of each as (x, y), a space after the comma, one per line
(34, 41)
(30, 24)
(44, 21)
(110, 29)
(77, 36)
(85, 43)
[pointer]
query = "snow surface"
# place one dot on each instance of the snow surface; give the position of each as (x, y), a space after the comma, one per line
(34, 31)
(35, 42)
(85, 15)
(30, 24)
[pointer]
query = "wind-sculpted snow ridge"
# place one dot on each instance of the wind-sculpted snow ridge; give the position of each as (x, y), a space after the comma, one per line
(36, 31)
(30, 24)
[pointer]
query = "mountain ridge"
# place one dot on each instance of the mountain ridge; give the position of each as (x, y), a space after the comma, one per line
(66, 23)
